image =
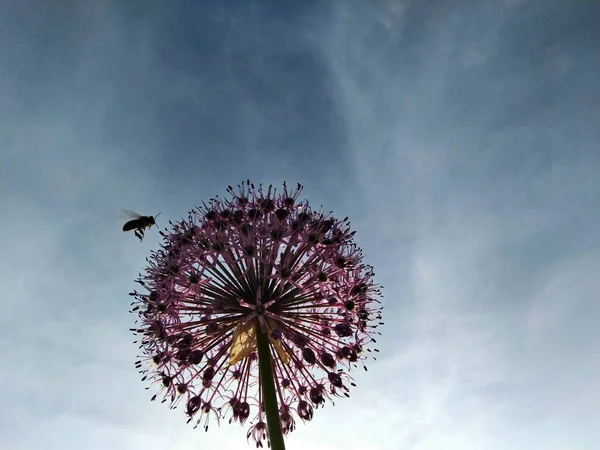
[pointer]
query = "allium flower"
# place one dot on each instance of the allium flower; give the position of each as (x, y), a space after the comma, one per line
(258, 267)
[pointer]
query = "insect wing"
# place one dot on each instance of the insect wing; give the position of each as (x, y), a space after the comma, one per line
(243, 342)
(131, 214)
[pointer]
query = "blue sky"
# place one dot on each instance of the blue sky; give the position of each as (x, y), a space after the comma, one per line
(460, 137)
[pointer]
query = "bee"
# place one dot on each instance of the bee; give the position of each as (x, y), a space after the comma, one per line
(138, 223)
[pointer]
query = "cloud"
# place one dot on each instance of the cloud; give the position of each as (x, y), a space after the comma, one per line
(482, 213)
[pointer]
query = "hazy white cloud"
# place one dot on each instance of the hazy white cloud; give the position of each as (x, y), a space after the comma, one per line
(493, 339)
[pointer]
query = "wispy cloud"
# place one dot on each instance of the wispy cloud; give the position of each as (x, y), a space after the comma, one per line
(477, 164)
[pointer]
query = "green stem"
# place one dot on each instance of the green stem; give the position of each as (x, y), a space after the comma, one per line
(269, 394)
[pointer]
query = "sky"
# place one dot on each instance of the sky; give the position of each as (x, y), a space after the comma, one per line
(462, 139)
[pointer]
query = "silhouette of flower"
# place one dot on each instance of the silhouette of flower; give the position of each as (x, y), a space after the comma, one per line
(257, 265)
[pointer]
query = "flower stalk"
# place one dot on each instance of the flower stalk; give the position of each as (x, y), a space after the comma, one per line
(267, 381)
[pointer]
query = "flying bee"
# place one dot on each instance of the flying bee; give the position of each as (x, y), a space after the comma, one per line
(138, 223)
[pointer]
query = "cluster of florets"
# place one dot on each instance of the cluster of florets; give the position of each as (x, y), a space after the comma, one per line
(258, 257)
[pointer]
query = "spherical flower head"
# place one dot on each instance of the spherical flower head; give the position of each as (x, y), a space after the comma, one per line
(257, 262)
